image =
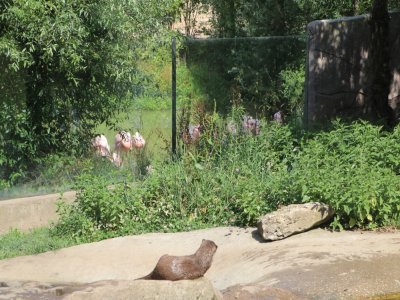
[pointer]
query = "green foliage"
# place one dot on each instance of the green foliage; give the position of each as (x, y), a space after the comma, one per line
(355, 169)
(330, 9)
(17, 144)
(205, 85)
(292, 92)
(222, 181)
(276, 17)
(11, 85)
(256, 17)
(334, 9)
(157, 93)
(77, 61)
(99, 208)
(17, 243)
(249, 71)
(227, 179)
(71, 66)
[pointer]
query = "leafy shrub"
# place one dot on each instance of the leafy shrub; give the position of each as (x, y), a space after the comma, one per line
(157, 92)
(248, 69)
(293, 89)
(222, 182)
(99, 209)
(18, 153)
(354, 169)
(229, 179)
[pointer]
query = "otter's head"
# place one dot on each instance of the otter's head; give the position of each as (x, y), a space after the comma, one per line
(209, 244)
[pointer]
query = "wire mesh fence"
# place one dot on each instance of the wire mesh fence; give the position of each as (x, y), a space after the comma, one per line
(263, 74)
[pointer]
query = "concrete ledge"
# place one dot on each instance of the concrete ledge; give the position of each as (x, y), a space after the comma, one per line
(31, 212)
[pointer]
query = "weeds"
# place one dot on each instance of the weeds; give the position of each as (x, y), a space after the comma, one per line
(234, 179)
(229, 179)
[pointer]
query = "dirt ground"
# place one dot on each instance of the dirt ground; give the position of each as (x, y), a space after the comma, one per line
(318, 264)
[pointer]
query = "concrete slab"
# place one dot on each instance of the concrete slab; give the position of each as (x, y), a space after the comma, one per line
(30, 212)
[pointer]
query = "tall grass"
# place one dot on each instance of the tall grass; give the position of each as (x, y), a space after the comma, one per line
(228, 179)
(233, 180)
(16, 243)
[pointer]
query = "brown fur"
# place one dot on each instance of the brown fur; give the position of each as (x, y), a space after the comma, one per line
(184, 267)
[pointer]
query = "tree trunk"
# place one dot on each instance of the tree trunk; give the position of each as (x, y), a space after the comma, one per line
(35, 98)
(188, 12)
(232, 19)
(379, 71)
(355, 7)
(281, 19)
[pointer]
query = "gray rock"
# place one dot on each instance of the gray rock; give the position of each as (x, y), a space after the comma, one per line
(113, 289)
(293, 219)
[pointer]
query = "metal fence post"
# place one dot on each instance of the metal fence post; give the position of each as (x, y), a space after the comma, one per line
(173, 96)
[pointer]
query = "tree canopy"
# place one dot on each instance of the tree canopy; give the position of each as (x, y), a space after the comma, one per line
(280, 17)
(76, 58)
(73, 64)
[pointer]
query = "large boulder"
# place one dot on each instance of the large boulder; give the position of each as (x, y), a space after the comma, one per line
(292, 219)
(200, 288)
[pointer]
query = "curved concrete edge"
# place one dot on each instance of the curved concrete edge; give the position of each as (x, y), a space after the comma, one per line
(31, 212)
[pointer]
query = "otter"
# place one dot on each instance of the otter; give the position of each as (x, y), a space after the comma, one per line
(184, 267)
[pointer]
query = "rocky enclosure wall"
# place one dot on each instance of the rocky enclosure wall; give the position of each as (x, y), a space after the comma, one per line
(336, 83)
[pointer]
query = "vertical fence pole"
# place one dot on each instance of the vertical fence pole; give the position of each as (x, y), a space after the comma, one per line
(305, 115)
(173, 96)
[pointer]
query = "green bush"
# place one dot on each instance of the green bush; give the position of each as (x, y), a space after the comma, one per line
(354, 168)
(234, 179)
(292, 93)
(247, 71)
(18, 152)
(157, 92)
(223, 183)
(99, 211)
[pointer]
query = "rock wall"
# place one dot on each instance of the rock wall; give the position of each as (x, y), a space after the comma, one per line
(336, 84)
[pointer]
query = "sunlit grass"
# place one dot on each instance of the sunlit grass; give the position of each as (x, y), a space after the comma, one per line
(154, 126)
(17, 243)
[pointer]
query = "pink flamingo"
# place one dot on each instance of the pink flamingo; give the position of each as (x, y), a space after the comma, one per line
(251, 125)
(124, 142)
(278, 117)
(194, 132)
(138, 141)
(116, 159)
(191, 135)
(100, 143)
